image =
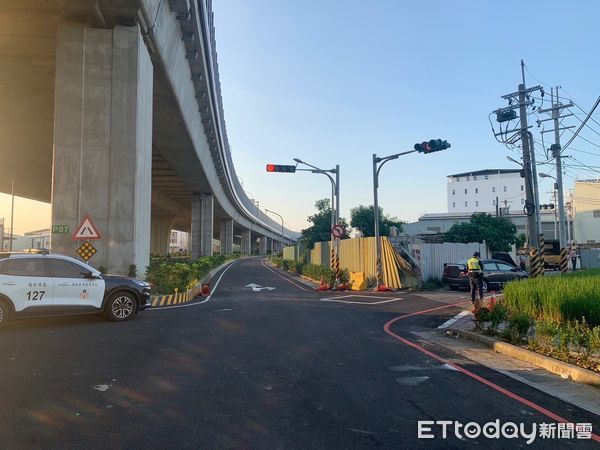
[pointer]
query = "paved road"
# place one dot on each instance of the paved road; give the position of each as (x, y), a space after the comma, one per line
(280, 368)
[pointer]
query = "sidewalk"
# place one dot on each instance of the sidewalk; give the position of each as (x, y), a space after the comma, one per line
(463, 325)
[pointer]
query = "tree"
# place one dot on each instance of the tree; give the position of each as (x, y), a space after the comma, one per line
(498, 232)
(362, 217)
(320, 231)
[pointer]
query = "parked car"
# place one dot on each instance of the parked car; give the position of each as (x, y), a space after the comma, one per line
(495, 274)
(51, 284)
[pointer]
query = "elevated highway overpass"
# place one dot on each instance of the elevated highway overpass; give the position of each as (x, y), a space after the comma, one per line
(113, 108)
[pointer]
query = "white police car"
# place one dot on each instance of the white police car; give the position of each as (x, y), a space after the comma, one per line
(51, 284)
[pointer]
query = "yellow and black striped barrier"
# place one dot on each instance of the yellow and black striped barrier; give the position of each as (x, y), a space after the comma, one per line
(175, 299)
(537, 268)
(542, 245)
(564, 260)
(332, 258)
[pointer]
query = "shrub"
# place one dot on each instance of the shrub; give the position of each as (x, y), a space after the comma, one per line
(132, 270)
(518, 326)
(298, 267)
(371, 282)
(344, 276)
(286, 264)
(167, 274)
(496, 316)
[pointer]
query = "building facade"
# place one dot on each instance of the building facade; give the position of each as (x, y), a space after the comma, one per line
(585, 204)
(485, 191)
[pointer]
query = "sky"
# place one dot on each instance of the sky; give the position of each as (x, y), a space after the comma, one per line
(332, 82)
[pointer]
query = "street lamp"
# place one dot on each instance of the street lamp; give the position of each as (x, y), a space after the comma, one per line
(279, 215)
(335, 191)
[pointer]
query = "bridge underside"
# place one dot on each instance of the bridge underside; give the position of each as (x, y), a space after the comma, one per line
(39, 111)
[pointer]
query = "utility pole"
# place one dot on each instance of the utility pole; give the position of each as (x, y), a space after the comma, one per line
(521, 100)
(556, 153)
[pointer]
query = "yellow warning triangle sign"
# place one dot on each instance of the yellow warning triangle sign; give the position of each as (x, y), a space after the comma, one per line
(87, 229)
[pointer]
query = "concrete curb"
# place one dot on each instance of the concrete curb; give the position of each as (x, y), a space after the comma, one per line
(209, 276)
(561, 368)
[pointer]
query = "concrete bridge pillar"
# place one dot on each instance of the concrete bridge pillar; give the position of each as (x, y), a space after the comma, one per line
(103, 143)
(160, 233)
(246, 242)
(202, 225)
(262, 245)
(226, 236)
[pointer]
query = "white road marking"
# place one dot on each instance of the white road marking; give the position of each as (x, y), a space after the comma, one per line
(197, 303)
(102, 387)
(258, 287)
(411, 381)
(449, 322)
(336, 300)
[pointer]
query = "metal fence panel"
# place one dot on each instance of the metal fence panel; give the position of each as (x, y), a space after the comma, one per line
(432, 257)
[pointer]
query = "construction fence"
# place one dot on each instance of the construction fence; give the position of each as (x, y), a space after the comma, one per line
(403, 266)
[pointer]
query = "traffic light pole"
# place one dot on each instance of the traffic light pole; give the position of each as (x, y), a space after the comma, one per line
(335, 196)
(377, 165)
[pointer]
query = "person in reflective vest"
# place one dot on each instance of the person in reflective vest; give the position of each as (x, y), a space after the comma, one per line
(475, 269)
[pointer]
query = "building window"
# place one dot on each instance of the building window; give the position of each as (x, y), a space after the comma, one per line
(457, 179)
(493, 202)
(522, 201)
(522, 188)
(477, 190)
(465, 191)
(468, 178)
(437, 229)
(454, 204)
(486, 177)
(476, 202)
(466, 204)
(504, 188)
(597, 213)
(474, 178)
(453, 191)
(493, 189)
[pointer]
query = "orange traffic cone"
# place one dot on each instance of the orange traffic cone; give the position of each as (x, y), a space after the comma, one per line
(205, 290)
(323, 286)
(383, 288)
(493, 300)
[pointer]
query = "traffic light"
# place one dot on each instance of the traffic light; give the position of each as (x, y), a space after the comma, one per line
(547, 206)
(434, 145)
(280, 168)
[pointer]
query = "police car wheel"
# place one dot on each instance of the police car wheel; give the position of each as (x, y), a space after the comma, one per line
(4, 313)
(121, 306)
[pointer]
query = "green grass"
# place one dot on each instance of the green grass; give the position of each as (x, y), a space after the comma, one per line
(564, 298)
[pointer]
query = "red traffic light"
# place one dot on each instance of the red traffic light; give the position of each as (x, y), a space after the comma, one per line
(434, 145)
(280, 168)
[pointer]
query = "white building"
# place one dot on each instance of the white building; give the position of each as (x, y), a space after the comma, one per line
(586, 211)
(478, 191)
(179, 242)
